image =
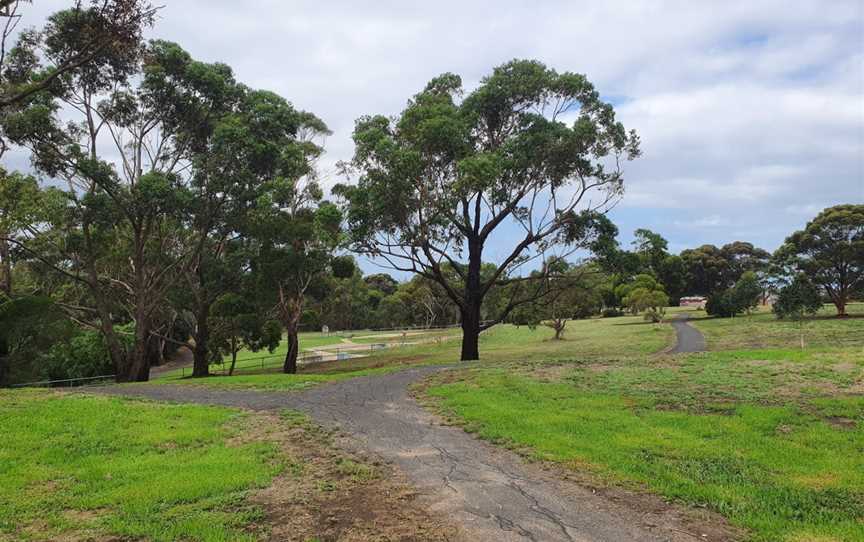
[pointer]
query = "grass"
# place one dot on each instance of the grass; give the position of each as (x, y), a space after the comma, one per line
(607, 338)
(763, 330)
(771, 439)
(92, 466)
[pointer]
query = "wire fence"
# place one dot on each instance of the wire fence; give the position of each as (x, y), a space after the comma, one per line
(252, 365)
(68, 382)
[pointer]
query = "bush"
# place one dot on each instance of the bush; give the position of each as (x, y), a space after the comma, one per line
(612, 313)
(740, 298)
(655, 314)
(83, 355)
(721, 304)
(799, 299)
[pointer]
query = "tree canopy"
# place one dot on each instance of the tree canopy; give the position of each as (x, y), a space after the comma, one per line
(531, 150)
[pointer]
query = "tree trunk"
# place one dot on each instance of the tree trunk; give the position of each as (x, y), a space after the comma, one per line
(840, 303)
(472, 302)
(5, 267)
(201, 363)
(137, 368)
(233, 355)
(471, 334)
(290, 365)
(559, 329)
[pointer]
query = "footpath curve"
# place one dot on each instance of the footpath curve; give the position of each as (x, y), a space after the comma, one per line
(490, 493)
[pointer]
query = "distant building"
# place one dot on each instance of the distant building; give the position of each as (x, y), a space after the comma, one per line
(693, 301)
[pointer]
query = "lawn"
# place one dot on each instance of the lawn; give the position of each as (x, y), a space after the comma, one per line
(75, 466)
(763, 330)
(773, 439)
(598, 338)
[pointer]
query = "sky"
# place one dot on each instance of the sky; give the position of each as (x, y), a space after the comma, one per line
(751, 113)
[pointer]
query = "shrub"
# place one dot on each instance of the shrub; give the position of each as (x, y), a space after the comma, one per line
(81, 356)
(798, 300)
(612, 313)
(721, 304)
(740, 298)
(655, 314)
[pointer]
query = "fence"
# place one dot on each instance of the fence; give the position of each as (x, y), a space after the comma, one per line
(259, 363)
(67, 382)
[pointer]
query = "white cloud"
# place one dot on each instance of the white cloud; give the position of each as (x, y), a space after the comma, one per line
(746, 109)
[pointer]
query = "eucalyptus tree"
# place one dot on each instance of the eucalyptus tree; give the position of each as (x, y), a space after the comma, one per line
(121, 234)
(20, 207)
(295, 236)
(101, 28)
(830, 252)
(531, 154)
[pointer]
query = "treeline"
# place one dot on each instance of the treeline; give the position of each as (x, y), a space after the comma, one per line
(170, 202)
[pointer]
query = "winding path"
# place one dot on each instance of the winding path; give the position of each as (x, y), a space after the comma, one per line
(489, 492)
(689, 339)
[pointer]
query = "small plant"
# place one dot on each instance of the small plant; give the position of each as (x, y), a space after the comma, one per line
(655, 314)
(798, 301)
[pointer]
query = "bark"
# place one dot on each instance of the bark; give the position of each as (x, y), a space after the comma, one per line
(201, 363)
(471, 334)
(5, 267)
(233, 355)
(137, 368)
(472, 302)
(290, 365)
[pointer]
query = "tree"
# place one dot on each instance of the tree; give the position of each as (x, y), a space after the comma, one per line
(747, 291)
(120, 231)
(20, 208)
(741, 297)
(651, 249)
(707, 270)
(382, 282)
(104, 28)
(830, 251)
(236, 324)
(644, 293)
(796, 301)
(438, 181)
(295, 236)
(673, 275)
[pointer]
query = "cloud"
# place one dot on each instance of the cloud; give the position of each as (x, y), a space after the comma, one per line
(749, 112)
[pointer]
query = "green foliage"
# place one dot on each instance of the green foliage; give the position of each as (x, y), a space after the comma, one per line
(502, 146)
(643, 293)
(236, 324)
(797, 300)
(830, 251)
(30, 326)
(82, 355)
(742, 297)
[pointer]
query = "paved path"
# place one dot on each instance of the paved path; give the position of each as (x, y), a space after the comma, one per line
(689, 339)
(491, 493)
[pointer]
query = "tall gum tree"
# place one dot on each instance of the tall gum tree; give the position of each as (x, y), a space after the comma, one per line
(830, 252)
(531, 153)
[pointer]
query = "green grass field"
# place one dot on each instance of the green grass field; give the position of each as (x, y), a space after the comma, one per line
(773, 439)
(620, 338)
(763, 330)
(128, 469)
(767, 434)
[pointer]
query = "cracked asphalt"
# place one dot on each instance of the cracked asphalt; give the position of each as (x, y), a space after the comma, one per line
(491, 493)
(689, 339)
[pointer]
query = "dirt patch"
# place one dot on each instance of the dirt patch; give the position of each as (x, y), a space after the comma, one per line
(327, 493)
(331, 367)
(841, 422)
